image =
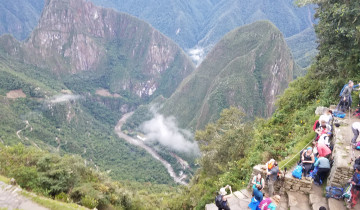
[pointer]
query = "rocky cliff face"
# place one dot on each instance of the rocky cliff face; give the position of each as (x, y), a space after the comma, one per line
(248, 68)
(74, 36)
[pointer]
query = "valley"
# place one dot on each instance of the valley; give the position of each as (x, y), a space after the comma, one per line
(178, 179)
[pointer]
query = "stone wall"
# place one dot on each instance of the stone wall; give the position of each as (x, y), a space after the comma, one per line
(342, 169)
(286, 182)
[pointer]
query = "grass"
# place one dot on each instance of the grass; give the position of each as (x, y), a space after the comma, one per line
(4, 179)
(297, 148)
(50, 203)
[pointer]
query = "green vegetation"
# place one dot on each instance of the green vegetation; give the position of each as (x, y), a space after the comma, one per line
(69, 180)
(203, 24)
(19, 17)
(290, 127)
(235, 73)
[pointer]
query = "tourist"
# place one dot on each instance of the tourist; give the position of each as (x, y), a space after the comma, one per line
(307, 160)
(257, 198)
(323, 165)
(355, 181)
(355, 129)
(272, 174)
(326, 116)
(275, 202)
(258, 180)
(325, 139)
(357, 163)
(221, 199)
(323, 150)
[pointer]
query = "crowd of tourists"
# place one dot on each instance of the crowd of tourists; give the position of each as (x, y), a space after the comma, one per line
(315, 161)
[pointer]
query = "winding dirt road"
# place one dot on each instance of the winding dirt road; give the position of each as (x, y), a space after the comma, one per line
(151, 151)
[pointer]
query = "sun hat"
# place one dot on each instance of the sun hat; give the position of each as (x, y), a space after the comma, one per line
(222, 191)
(276, 199)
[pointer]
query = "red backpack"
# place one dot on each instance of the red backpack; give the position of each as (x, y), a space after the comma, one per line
(264, 204)
(316, 125)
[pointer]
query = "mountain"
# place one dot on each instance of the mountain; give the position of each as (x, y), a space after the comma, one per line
(195, 25)
(198, 25)
(19, 17)
(65, 88)
(247, 69)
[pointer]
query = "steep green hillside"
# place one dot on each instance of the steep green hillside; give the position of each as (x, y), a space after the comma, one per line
(19, 17)
(68, 179)
(290, 127)
(65, 88)
(302, 47)
(201, 24)
(248, 68)
(77, 124)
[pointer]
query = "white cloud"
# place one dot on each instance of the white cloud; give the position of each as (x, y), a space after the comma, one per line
(196, 54)
(167, 133)
(64, 98)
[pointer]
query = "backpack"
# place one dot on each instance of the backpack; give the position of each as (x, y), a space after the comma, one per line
(347, 193)
(342, 90)
(297, 173)
(219, 200)
(314, 172)
(357, 145)
(264, 204)
(339, 114)
(334, 192)
(316, 125)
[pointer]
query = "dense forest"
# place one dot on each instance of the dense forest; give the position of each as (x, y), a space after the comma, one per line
(230, 147)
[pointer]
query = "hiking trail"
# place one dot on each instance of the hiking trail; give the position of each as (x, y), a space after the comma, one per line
(10, 199)
(313, 199)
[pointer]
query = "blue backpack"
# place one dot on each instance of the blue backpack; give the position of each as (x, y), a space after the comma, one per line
(297, 172)
(339, 114)
(342, 90)
(334, 192)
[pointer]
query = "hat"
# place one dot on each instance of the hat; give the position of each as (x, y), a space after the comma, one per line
(276, 200)
(329, 133)
(222, 191)
(309, 148)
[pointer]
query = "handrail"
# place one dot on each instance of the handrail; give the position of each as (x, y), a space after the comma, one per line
(296, 154)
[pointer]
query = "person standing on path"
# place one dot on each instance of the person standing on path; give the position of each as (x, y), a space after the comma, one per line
(355, 190)
(273, 173)
(355, 127)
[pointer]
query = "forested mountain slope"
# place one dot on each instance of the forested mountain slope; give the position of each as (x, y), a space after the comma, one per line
(231, 147)
(247, 69)
(201, 24)
(19, 17)
(67, 85)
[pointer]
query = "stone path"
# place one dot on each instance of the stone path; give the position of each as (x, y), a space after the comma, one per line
(10, 199)
(315, 198)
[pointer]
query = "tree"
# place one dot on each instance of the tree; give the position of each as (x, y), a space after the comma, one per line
(224, 142)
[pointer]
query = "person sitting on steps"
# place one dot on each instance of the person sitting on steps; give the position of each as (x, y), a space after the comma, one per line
(258, 180)
(307, 160)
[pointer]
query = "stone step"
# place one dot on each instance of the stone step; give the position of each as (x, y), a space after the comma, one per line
(298, 201)
(336, 204)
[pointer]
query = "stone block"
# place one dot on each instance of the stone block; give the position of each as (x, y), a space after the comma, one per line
(315, 198)
(336, 204)
(211, 206)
